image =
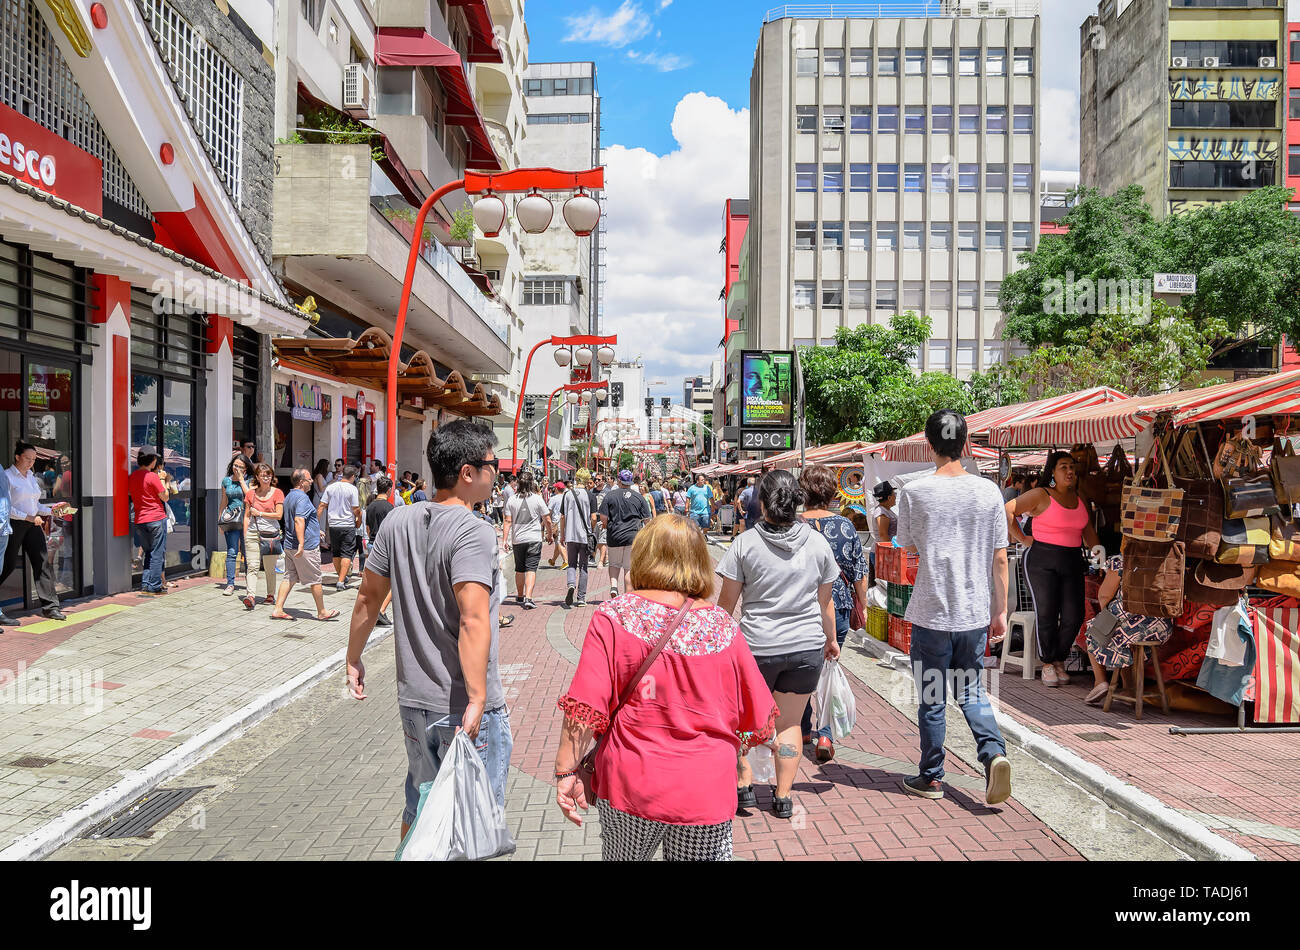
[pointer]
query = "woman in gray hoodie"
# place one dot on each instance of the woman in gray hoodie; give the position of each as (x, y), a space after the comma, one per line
(782, 573)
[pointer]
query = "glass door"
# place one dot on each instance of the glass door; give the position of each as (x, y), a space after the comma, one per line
(162, 417)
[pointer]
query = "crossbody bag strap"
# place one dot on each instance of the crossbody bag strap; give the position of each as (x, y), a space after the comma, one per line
(649, 660)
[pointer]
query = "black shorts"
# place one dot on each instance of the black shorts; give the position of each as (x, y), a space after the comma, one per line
(527, 557)
(343, 542)
(791, 672)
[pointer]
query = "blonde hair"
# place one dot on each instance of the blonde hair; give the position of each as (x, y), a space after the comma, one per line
(670, 553)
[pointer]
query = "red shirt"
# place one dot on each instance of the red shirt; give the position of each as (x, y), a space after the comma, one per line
(671, 754)
(146, 490)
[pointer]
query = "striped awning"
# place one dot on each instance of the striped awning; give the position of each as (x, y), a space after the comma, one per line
(834, 453)
(1277, 394)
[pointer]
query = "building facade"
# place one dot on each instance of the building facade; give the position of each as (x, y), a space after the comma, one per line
(893, 167)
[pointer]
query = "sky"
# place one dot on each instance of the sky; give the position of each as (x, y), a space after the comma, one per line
(674, 82)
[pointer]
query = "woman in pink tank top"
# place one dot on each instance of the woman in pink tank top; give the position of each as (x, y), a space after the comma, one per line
(1054, 563)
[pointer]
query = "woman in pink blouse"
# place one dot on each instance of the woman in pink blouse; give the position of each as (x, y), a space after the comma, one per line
(666, 769)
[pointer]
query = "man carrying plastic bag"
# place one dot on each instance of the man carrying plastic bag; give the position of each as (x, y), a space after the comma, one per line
(458, 818)
(439, 561)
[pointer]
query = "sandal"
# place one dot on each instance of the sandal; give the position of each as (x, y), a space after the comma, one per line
(1098, 693)
(506, 621)
(332, 615)
(782, 807)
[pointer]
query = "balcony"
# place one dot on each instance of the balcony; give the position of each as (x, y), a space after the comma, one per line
(343, 230)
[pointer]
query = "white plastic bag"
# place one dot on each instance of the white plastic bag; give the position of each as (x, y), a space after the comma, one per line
(760, 761)
(458, 818)
(835, 704)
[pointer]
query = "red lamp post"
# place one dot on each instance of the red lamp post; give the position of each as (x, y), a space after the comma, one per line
(476, 183)
(579, 340)
(566, 388)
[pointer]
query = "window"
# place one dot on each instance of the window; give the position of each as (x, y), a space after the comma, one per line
(1023, 64)
(561, 87)
(941, 118)
(997, 61)
(311, 12)
(888, 62)
(833, 235)
(1022, 238)
(832, 294)
(940, 295)
(995, 177)
(805, 235)
(833, 178)
(940, 178)
(995, 235)
(969, 63)
(545, 291)
(940, 236)
(913, 295)
(1231, 114)
(967, 295)
(859, 235)
(887, 236)
(914, 119)
(532, 87)
(805, 176)
(938, 351)
(995, 119)
(1295, 46)
(941, 61)
(992, 288)
(886, 177)
(859, 120)
(858, 298)
(1293, 159)
(805, 62)
(860, 176)
(1023, 120)
(805, 119)
(1222, 174)
(968, 236)
(833, 62)
(914, 236)
(1022, 178)
(833, 119)
(886, 118)
(914, 61)
(859, 61)
(1236, 53)
(914, 177)
(968, 118)
(887, 295)
(805, 294)
(395, 93)
(968, 177)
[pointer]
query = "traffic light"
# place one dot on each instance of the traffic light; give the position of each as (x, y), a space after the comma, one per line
(616, 394)
(530, 408)
(666, 402)
(649, 405)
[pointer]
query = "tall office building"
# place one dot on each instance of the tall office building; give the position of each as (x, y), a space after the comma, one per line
(893, 167)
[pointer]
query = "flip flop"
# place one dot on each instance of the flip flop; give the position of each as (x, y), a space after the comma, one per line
(333, 614)
(506, 621)
(285, 617)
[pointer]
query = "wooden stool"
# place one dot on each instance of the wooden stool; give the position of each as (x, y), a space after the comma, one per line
(1139, 679)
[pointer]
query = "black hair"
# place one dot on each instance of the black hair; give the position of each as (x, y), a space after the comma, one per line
(455, 445)
(780, 496)
(248, 442)
(144, 459)
(525, 482)
(882, 491)
(945, 430)
(322, 468)
(1047, 478)
(20, 447)
(238, 457)
(383, 484)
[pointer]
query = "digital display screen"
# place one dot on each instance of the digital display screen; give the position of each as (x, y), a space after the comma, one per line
(767, 387)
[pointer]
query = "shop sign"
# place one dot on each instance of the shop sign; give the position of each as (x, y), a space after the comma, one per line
(281, 397)
(35, 155)
(305, 401)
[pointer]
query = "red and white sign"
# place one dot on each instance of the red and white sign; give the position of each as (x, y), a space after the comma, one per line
(35, 155)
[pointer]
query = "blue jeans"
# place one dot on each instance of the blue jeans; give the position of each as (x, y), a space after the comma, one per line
(234, 539)
(703, 519)
(428, 740)
(943, 660)
(841, 631)
(153, 538)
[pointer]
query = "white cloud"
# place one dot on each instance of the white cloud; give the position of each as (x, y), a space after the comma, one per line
(625, 25)
(665, 4)
(665, 223)
(1060, 135)
(664, 62)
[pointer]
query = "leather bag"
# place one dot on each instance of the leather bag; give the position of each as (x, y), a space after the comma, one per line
(1201, 526)
(1118, 469)
(1247, 489)
(1152, 579)
(1148, 512)
(1280, 577)
(1285, 472)
(1245, 541)
(1219, 585)
(1284, 539)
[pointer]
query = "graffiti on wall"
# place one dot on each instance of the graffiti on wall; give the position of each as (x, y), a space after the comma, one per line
(1189, 204)
(1196, 148)
(1224, 87)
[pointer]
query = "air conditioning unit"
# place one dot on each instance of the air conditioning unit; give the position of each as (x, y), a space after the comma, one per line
(1210, 62)
(356, 87)
(1179, 62)
(1267, 62)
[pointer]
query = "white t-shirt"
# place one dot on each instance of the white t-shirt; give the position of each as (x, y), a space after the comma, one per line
(341, 497)
(526, 513)
(555, 509)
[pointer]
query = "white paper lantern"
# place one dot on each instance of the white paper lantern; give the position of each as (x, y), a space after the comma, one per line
(582, 356)
(571, 397)
(581, 213)
(534, 212)
(562, 356)
(490, 215)
(602, 393)
(605, 355)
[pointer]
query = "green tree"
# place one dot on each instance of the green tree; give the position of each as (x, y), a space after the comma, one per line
(626, 460)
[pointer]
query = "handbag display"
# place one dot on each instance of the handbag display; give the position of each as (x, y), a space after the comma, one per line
(1280, 577)
(1285, 472)
(1245, 541)
(1202, 523)
(1149, 513)
(1219, 585)
(1247, 489)
(1089, 477)
(1284, 539)
(1151, 583)
(1118, 469)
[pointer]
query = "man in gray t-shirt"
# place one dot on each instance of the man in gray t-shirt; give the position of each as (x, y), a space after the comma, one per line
(957, 525)
(440, 563)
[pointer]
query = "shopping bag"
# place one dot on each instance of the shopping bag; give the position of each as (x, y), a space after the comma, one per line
(1148, 512)
(836, 707)
(761, 762)
(458, 818)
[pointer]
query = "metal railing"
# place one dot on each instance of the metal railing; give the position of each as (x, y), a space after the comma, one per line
(905, 8)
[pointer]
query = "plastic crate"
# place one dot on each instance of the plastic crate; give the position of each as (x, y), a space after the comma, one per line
(900, 634)
(878, 623)
(885, 559)
(897, 597)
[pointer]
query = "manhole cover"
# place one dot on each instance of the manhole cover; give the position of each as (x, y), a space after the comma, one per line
(138, 820)
(1099, 737)
(294, 636)
(31, 762)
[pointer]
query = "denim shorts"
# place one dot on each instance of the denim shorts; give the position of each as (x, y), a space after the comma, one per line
(428, 739)
(792, 672)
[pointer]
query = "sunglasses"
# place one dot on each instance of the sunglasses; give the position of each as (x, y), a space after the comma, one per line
(495, 463)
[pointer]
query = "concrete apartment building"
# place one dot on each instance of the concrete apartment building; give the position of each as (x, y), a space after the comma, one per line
(1181, 97)
(893, 167)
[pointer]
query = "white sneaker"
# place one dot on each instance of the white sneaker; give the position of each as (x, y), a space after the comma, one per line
(613, 592)
(998, 781)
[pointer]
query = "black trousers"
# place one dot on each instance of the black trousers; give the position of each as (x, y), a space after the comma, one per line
(29, 540)
(1056, 582)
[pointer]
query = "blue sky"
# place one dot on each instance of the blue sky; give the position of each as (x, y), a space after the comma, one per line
(674, 81)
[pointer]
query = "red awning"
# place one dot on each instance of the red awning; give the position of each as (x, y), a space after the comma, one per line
(562, 465)
(482, 41)
(412, 46)
(510, 465)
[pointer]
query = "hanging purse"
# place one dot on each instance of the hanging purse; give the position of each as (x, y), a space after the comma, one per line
(1150, 513)
(1219, 585)
(1285, 472)
(1280, 577)
(1245, 541)
(1247, 489)
(1202, 523)
(1151, 582)
(1284, 539)
(1118, 469)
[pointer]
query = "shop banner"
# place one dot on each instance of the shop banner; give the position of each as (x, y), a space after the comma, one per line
(35, 155)
(305, 401)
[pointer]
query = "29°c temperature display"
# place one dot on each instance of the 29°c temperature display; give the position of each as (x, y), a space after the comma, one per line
(767, 439)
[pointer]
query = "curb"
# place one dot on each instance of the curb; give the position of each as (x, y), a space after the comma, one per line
(59, 831)
(1182, 832)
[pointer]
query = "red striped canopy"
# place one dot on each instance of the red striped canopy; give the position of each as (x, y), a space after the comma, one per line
(1277, 394)
(836, 453)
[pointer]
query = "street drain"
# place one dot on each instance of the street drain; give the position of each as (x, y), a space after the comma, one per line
(1099, 737)
(138, 820)
(31, 762)
(294, 636)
